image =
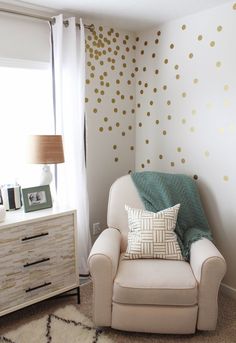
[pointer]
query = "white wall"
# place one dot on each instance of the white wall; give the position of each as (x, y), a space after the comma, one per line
(110, 107)
(186, 109)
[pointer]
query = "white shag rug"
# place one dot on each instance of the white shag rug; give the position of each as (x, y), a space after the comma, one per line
(66, 325)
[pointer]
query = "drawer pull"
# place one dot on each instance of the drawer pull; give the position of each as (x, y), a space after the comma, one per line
(40, 286)
(35, 236)
(36, 262)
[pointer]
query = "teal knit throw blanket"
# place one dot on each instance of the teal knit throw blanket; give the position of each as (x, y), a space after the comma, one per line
(161, 190)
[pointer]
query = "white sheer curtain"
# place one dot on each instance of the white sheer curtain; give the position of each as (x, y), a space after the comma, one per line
(69, 81)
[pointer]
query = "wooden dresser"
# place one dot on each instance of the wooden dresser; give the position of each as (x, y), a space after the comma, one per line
(38, 257)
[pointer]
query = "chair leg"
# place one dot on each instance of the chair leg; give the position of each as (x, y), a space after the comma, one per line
(78, 295)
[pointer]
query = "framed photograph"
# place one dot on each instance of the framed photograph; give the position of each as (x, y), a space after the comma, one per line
(37, 198)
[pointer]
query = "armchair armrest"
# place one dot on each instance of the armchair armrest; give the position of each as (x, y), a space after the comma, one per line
(209, 268)
(103, 262)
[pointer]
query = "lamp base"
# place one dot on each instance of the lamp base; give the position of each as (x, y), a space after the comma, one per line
(46, 175)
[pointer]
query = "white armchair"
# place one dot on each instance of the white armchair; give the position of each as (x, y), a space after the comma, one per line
(160, 296)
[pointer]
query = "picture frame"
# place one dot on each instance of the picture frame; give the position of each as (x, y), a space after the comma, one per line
(36, 198)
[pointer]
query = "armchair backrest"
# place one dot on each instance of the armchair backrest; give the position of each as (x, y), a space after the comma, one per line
(123, 192)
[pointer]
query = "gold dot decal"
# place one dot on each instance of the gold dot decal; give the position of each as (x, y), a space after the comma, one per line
(176, 67)
(101, 129)
(169, 117)
(172, 46)
(195, 81)
(179, 149)
(148, 161)
(183, 121)
(183, 27)
(195, 177)
(212, 43)
(226, 88)
(190, 55)
(140, 124)
(131, 147)
(226, 178)
(192, 129)
(110, 128)
(183, 160)
(218, 64)
(234, 6)
(114, 147)
(160, 157)
(164, 132)
(172, 164)
(105, 119)
(177, 76)
(157, 122)
(206, 153)
(166, 60)
(184, 95)
(194, 112)
(168, 102)
(146, 141)
(200, 37)
(142, 165)
(116, 159)
(117, 124)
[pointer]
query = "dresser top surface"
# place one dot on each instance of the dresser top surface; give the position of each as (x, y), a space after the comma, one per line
(20, 217)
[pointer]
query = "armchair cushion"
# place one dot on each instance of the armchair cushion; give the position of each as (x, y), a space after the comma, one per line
(155, 282)
(152, 234)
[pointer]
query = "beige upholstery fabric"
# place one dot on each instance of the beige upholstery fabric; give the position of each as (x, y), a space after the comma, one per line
(207, 264)
(122, 192)
(155, 282)
(156, 319)
(103, 261)
(151, 235)
(209, 268)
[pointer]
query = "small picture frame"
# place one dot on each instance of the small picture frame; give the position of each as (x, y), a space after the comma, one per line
(37, 198)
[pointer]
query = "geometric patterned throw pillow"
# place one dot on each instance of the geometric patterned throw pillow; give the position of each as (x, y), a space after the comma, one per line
(152, 234)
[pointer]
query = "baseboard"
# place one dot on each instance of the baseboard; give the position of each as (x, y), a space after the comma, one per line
(227, 290)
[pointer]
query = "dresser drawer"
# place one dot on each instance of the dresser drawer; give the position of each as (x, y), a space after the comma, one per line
(36, 238)
(23, 287)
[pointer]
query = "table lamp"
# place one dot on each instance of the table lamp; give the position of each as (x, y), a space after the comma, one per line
(46, 149)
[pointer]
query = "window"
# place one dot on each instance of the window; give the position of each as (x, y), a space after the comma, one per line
(26, 107)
